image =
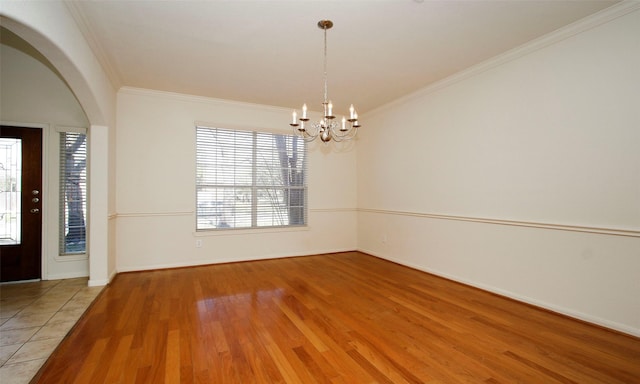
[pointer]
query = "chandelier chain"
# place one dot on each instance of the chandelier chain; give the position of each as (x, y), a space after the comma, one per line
(325, 64)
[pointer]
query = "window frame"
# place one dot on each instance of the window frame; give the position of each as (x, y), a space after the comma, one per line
(62, 196)
(256, 208)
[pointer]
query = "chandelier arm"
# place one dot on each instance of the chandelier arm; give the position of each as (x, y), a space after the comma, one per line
(339, 135)
(304, 135)
(307, 138)
(349, 134)
(308, 135)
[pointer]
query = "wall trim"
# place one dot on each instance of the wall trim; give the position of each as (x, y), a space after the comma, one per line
(331, 210)
(71, 257)
(250, 231)
(198, 99)
(524, 299)
(94, 44)
(100, 283)
(517, 223)
(152, 214)
(190, 213)
(73, 275)
(608, 14)
(196, 263)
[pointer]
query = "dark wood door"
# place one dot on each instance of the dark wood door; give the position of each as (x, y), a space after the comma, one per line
(20, 203)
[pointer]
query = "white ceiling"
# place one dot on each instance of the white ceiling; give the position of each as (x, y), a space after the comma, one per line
(270, 52)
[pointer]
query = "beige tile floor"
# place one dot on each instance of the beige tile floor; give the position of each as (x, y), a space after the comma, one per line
(34, 318)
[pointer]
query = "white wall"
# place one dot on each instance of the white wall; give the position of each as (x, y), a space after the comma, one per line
(33, 95)
(521, 177)
(156, 186)
(544, 144)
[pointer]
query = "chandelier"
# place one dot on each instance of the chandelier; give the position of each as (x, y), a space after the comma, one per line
(326, 128)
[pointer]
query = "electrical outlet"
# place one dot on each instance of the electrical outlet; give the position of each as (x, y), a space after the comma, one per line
(198, 243)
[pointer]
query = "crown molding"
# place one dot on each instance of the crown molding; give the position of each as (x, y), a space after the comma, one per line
(606, 15)
(94, 44)
(198, 99)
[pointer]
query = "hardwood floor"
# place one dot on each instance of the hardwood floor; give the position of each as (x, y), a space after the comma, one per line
(338, 318)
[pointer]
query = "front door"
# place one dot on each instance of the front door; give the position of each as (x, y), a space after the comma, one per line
(20, 203)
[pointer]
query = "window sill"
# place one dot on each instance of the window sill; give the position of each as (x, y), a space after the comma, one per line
(248, 231)
(72, 257)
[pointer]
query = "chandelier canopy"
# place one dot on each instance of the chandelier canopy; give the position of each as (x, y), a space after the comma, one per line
(325, 128)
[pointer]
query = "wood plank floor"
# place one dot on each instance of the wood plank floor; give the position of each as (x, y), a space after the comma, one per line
(339, 318)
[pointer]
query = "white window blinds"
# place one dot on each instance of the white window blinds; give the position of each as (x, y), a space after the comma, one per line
(249, 179)
(73, 193)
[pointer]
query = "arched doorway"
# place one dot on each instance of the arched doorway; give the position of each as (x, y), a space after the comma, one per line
(50, 29)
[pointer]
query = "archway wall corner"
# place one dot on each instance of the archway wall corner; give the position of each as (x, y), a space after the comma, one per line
(51, 29)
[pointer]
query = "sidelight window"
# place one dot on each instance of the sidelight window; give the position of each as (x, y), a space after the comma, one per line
(73, 193)
(10, 190)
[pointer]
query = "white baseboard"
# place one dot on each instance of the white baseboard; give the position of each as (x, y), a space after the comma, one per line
(98, 283)
(194, 263)
(103, 282)
(528, 300)
(62, 276)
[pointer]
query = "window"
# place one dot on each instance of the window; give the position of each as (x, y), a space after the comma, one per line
(10, 191)
(73, 193)
(249, 179)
